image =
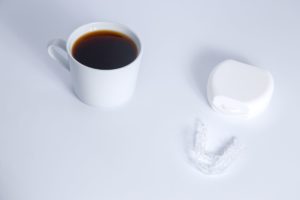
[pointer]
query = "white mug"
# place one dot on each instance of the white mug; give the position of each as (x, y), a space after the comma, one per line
(97, 87)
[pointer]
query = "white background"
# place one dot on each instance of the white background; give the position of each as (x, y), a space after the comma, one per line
(53, 147)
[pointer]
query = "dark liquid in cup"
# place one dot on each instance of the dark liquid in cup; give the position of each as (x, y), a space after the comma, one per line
(104, 50)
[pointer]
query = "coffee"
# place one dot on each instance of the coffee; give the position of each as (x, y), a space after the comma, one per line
(104, 50)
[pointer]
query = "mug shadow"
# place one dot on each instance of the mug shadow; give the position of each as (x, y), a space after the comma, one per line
(202, 65)
(37, 22)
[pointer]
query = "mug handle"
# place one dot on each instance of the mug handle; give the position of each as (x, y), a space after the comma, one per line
(54, 54)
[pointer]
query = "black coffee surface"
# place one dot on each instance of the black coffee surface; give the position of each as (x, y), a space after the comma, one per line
(104, 50)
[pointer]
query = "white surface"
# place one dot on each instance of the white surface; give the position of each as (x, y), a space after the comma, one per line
(99, 88)
(239, 89)
(54, 147)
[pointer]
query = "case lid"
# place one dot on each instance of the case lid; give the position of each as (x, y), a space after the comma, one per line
(236, 88)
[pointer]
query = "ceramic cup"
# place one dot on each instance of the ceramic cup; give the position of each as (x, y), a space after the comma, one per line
(97, 87)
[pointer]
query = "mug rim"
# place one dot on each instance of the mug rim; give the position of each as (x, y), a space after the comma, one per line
(69, 46)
